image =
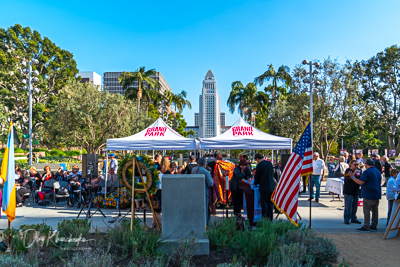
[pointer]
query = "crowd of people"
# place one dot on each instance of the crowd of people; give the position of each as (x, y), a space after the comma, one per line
(32, 183)
(362, 178)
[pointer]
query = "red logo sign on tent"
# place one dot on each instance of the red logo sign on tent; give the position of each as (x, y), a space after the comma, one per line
(242, 130)
(156, 131)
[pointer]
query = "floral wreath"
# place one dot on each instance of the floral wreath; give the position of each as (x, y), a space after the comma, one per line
(150, 175)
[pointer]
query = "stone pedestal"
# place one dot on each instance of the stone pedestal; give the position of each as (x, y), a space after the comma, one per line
(184, 210)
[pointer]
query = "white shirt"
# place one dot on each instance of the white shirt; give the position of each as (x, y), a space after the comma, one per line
(318, 166)
(114, 165)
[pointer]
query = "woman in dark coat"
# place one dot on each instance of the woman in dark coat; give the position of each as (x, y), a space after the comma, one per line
(239, 174)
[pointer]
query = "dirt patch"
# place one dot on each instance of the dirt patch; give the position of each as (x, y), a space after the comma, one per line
(366, 249)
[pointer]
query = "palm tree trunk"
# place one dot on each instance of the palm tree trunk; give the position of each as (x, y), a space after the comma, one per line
(139, 96)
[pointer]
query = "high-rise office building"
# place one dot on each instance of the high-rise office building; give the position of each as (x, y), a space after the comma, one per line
(209, 121)
(112, 85)
(91, 77)
(222, 119)
(209, 115)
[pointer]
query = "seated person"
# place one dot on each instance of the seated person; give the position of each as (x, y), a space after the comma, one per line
(47, 175)
(96, 183)
(61, 175)
(36, 177)
(24, 185)
(76, 175)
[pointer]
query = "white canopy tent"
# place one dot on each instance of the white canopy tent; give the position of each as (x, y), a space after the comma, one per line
(158, 136)
(244, 136)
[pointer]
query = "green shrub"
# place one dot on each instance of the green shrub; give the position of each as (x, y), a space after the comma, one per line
(72, 153)
(137, 242)
(74, 228)
(311, 249)
(40, 150)
(290, 256)
(96, 257)
(84, 151)
(17, 261)
(56, 152)
(220, 234)
(254, 246)
(182, 254)
(19, 150)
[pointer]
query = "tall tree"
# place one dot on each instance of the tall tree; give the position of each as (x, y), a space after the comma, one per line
(248, 100)
(56, 66)
(379, 78)
(281, 76)
(144, 83)
(88, 117)
(180, 101)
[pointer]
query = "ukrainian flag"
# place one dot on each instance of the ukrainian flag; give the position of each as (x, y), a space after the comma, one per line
(8, 177)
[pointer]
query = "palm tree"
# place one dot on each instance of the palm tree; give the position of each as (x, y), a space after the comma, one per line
(282, 75)
(247, 99)
(180, 101)
(144, 81)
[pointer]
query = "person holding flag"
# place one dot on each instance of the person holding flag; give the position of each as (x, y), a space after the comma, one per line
(7, 178)
(285, 195)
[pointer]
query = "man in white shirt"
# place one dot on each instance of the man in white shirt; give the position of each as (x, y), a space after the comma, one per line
(317, 176)
(113, 163)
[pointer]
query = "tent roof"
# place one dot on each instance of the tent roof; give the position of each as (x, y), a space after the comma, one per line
(244, 136)
(157, 136)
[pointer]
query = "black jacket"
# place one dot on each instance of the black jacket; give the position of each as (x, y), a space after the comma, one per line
(237, 177)
(378, 164)
(265, 176)
(189, 167)
(277, 174)
(350, 187)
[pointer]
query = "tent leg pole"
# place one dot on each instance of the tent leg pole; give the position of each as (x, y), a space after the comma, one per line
(105, 192)
(272, 158)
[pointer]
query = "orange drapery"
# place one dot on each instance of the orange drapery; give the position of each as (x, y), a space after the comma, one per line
(219, 177)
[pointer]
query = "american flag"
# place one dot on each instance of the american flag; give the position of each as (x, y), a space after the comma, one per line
(285, 196)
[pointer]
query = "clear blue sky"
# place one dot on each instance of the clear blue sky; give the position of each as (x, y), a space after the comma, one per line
(237, 40)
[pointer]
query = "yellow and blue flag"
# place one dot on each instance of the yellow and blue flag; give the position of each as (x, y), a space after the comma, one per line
(8, 177)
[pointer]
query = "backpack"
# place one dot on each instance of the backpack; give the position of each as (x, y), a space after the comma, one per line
(188, 169)
(340, 171)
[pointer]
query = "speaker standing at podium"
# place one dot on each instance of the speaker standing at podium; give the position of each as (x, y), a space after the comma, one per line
(114, 163)
(264, 177)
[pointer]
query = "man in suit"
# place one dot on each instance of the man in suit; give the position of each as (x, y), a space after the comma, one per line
(264, 178)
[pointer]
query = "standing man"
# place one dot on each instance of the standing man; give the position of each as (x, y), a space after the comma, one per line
(264, 178)
(113, 163)
(317, 176)
(388, 167)
(346, 157)
(191, 165)
(378, 162)
(157, 159)
(370, 182)
(209, 182)
(103, 168)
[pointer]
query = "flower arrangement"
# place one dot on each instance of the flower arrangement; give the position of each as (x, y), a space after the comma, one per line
(149, 172)
(110, 201)
(98, 201)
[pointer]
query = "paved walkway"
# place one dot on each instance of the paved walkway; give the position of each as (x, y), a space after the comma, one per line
(327, 216)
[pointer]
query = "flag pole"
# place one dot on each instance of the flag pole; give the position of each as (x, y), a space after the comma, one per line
(9, 236)
(312, 136)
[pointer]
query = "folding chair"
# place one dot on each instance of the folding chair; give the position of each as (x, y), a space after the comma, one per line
(57, 186)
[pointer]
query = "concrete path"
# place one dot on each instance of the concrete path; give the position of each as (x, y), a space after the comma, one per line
(327, 216)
